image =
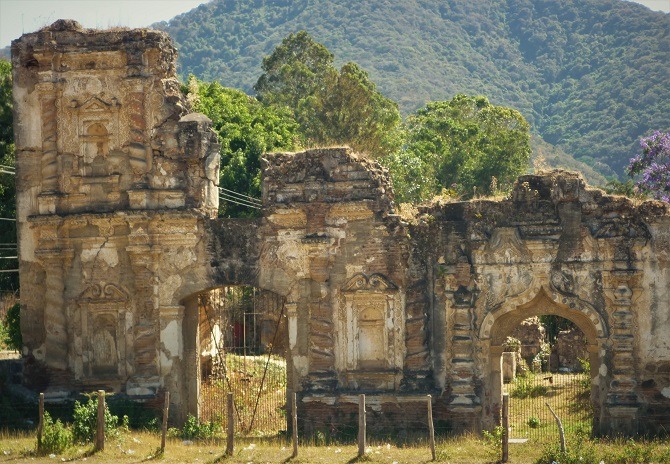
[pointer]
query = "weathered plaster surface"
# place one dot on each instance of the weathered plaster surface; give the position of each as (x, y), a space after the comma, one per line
(118, 240)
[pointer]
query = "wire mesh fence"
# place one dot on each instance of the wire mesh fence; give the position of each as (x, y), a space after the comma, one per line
(243, 332)
(568, 394)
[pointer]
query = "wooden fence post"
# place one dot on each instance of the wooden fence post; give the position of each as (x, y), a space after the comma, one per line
(100, 435)
(40, 424)
(361, 425)
(294, 415)
(561, 432)
(505, 427)
(431, 427)
(230, 406)
(166, 411)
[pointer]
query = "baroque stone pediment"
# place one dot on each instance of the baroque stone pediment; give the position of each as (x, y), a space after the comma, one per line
(373, 283)
(103, 293)
(506, 247)
(94, 104)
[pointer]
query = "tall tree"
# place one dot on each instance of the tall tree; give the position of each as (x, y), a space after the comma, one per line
(8, 281)
(294, 71)
(348, 109)
(467, 145)
(247, 129)
(331, 107)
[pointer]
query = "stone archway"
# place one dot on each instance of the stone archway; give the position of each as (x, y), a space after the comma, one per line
(224, 321)
(497, 325)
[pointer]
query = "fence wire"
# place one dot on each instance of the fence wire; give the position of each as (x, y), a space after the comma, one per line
(569, 394)
(243, 333)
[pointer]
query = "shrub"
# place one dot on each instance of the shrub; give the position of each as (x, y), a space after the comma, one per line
(493, 442)
(11, 328)
(85, 417)
(512, 344)
(525, 387)
(533, 422)
(56, 438)
(194, 429)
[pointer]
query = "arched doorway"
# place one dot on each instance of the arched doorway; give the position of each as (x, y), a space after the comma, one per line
(500, 324)
(235, 342)
(545, 365)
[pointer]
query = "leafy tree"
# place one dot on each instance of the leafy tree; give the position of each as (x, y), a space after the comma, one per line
(348, 109)
(331, 107)
(653, 166)
(8, 281)
(247, 129)
(466, 144)
(294, 71)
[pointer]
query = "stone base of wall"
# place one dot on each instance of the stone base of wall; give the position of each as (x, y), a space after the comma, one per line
(387, 415)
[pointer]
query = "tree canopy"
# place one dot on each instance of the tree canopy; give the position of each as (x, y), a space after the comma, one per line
(466, 145)
(331, 107)
(246, 130)
(589, 76)
(8, 281)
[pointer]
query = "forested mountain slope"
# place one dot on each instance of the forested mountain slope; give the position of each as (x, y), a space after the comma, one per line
(591, 76)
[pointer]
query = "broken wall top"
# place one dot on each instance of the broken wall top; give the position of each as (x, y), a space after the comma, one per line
(101, 124)
(552, 201)
(68, 36)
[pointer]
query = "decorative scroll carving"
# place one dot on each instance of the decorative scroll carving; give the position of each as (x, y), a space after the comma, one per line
(103, 292)
(373, 283)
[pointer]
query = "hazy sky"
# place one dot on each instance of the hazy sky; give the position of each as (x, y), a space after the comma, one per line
(19, 16)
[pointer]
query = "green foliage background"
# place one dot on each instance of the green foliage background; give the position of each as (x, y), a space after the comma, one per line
(588, 75)
(9, 282)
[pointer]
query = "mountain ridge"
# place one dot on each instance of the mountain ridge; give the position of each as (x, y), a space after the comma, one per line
(587, 74)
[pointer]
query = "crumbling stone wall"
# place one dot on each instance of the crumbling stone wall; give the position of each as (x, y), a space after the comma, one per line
(531, 333)
(555, 247)
(118, 241)
(115, 182)
(570, 348)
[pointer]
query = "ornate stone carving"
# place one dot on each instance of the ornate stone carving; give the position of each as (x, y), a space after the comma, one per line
(506, 247)
(103, 293)
(374, 283)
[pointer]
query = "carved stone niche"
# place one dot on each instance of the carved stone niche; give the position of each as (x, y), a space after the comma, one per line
(374, 333)
(98, 128)
(103, 309)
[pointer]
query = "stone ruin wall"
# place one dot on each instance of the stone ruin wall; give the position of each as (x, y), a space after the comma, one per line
(114, 184)
(116, 196)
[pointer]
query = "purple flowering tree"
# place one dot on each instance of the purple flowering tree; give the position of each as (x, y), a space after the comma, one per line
(652, 166)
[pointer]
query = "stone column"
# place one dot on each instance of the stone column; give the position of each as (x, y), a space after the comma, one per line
(622, 403)
(55, 262)
(145, 339)
(191, 359)
(496, 382)
(49, 128)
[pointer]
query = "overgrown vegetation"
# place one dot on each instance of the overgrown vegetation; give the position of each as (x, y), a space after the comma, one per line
(9, 281)
(588, 76)
(85, 419)
(10, 328)
(56, 437)
(194, 429)
(527, 387)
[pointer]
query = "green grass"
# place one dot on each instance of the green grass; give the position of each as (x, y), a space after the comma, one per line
(259, 389)
(135, 447)
(568, 396)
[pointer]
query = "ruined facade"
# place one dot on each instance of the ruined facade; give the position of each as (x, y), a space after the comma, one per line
(116, 193)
